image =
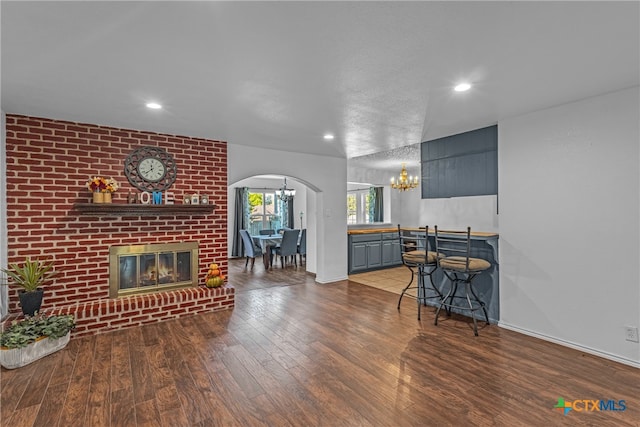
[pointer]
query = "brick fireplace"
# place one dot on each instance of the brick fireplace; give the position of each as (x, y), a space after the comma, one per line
(48, 163)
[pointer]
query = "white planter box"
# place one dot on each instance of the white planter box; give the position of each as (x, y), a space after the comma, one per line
(17, 357)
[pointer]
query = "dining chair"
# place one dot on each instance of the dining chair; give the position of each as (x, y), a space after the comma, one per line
(302, 245)
(416, 256)
(251, 250)
(459, 267)
(288, 247)
(267, 232)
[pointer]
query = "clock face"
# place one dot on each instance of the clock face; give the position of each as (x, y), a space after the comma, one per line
(150, 169)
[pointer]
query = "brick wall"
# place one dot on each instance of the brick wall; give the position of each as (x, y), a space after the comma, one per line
(48, 163)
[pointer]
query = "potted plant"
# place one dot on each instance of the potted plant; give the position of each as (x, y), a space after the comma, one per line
(32, 338)
(30, 276)
(102, 188)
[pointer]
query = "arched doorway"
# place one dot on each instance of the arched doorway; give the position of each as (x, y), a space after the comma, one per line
(267, 212)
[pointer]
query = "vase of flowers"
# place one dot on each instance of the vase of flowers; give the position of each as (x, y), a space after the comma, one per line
(102, 188)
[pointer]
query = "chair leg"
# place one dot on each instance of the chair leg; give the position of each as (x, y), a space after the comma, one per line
(482, 304)
(452, 291)
(454, 283)
(467, 285)
(433, 285)
(413, 273)
(253, 260)
(422, 292)
(246, 262)
(447, 300)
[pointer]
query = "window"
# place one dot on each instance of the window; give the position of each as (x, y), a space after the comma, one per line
(358, 202)
(265, 211)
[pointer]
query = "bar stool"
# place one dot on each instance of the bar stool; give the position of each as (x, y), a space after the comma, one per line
(416, 256)
(458, 266)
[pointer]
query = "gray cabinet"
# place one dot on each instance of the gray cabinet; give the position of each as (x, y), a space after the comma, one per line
(390, 250)
(373, 251)
(374, 254)
(358, 257)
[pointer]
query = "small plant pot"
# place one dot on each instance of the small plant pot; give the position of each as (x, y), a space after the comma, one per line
(30, 302)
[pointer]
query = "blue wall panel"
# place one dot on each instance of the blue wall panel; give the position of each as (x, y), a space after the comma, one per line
(461, 165)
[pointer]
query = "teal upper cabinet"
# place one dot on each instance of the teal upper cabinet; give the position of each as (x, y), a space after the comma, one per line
(461, 165)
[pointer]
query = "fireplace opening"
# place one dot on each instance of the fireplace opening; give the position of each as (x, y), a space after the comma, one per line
(141, 269)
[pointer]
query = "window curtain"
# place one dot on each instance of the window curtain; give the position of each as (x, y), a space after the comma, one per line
(376, 207)
(290, 223)
(286, 213)
(240, 221)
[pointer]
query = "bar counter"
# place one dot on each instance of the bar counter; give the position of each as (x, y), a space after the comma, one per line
(395, 230)
(483, 245)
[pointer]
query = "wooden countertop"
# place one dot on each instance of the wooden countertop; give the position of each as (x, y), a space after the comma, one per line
(372, 230)
(395, 230)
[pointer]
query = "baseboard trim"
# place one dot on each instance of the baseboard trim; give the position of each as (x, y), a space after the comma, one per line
(325, 281)
(605, 355)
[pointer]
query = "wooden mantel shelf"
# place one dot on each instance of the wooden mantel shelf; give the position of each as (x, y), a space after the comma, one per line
(122, 209)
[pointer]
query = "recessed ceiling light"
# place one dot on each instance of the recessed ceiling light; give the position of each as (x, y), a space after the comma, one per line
(328, 137)
(154, 105)
(462, 87)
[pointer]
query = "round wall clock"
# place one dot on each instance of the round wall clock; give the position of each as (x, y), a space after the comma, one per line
(150, 169)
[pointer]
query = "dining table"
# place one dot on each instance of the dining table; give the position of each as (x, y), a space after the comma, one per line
(266, 242)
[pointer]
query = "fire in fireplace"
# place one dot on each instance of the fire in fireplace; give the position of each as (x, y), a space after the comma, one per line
(141, 269)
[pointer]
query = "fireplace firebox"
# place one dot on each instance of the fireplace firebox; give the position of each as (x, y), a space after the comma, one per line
(142, 269)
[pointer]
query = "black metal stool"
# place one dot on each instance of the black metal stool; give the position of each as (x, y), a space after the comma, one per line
(459, 267)
(416, 256)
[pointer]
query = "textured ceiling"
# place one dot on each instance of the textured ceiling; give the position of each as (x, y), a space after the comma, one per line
(279, 75)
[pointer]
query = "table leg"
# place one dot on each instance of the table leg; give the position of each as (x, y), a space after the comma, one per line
(266, 257)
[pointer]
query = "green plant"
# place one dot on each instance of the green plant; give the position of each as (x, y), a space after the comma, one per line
(28, 330)
(31, 275)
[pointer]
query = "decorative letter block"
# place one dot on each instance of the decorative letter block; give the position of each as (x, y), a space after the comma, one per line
(169, 197)
(145, 198)
(157, 197)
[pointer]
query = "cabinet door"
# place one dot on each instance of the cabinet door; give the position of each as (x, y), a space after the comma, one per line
(374, 254)
(391, 252)
(397, 253)
(358, 256)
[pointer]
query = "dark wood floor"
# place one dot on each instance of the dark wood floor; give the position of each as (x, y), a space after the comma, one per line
(297, 353)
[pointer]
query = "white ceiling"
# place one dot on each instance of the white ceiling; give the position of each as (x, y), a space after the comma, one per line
(378, 75)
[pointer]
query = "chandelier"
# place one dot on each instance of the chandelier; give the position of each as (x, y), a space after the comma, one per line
(404, 182)
(285, 194)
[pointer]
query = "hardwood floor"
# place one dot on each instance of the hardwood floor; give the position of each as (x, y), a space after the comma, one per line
(297, 353)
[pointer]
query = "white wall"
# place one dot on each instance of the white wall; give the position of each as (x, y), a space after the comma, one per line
(326, 215)
(478, 212)
(569, 224)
